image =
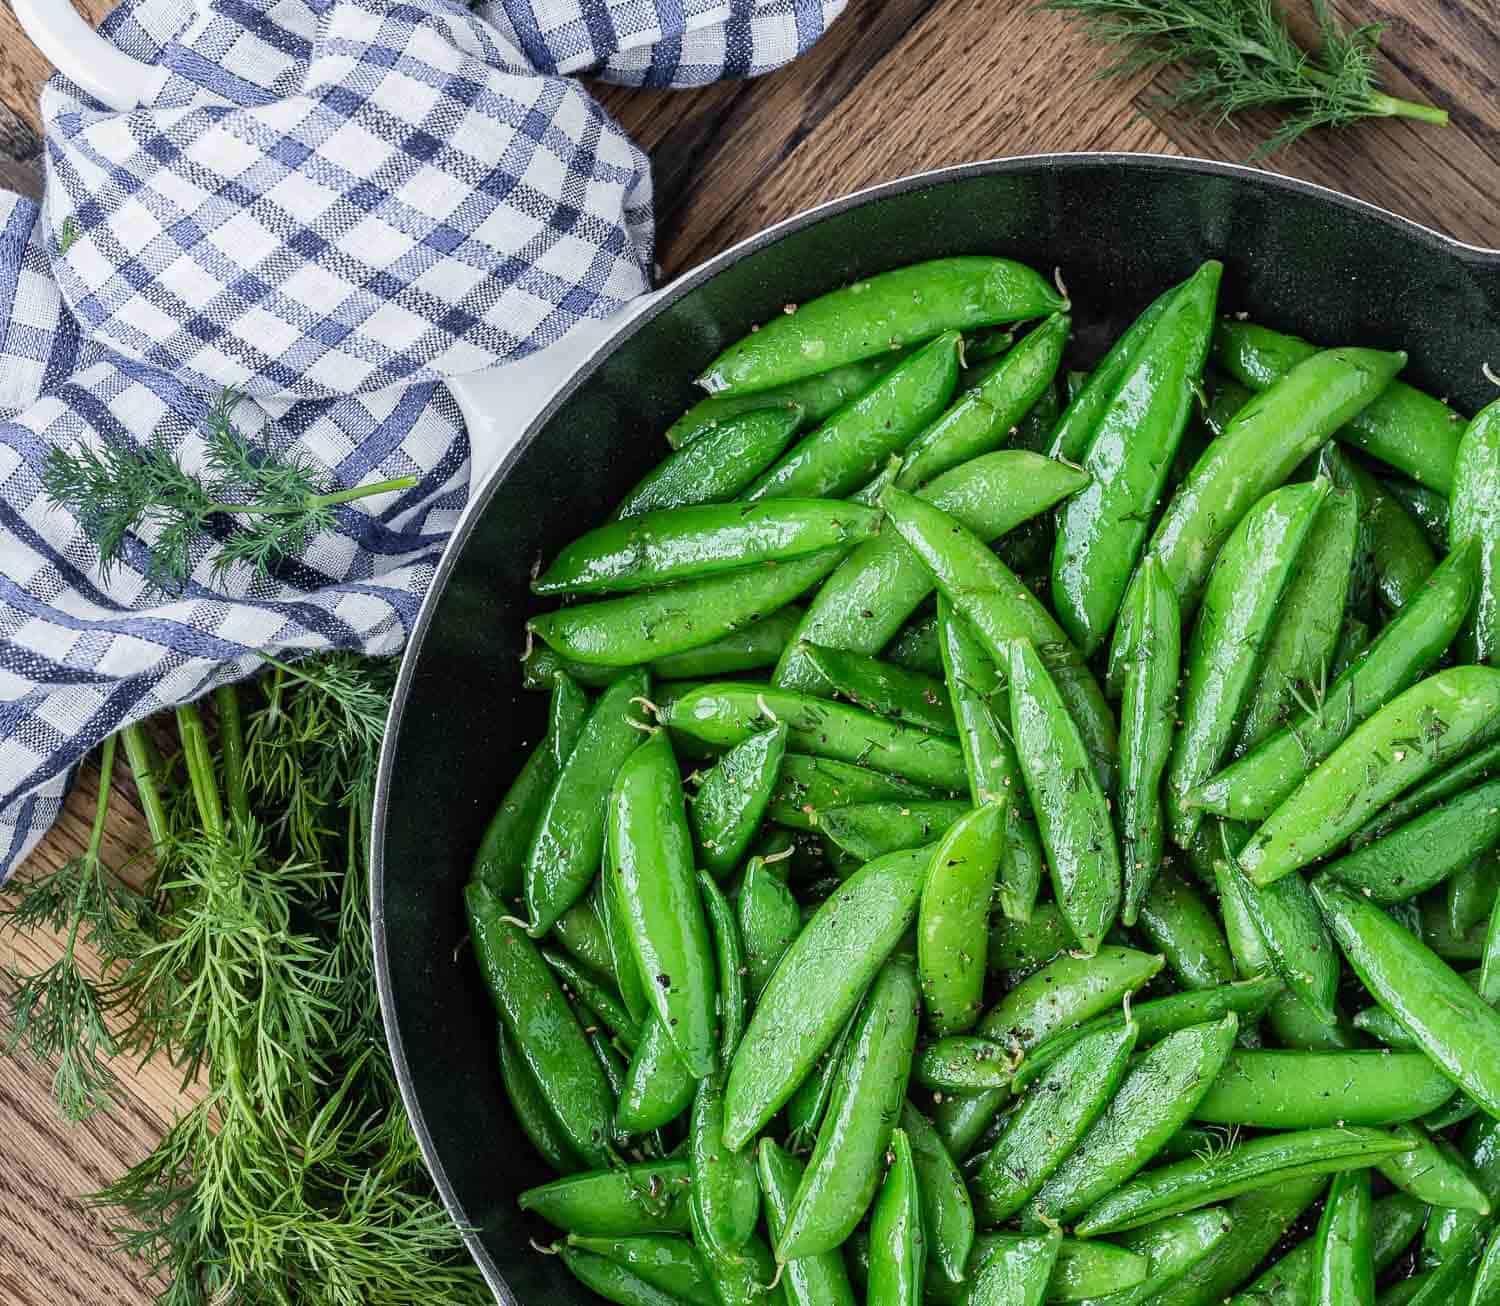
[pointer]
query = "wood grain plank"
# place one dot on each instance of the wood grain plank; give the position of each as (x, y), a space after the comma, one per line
(23, 68)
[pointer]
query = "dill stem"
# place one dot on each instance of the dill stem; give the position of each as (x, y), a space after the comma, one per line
(1392, 107)
(316, 500)
(96, 841)
(142, 758)
(200, 768)
(232, 746)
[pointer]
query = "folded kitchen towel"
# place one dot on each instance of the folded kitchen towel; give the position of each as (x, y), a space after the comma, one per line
(328, 207)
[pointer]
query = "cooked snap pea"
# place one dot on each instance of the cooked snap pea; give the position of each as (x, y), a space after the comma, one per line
(1297, 1027)
(1428, 507)
(1486, 1290)
(884, 312)
(883, 688)
(729, 954)
(851, 446)
(838, 952)
(869, 830)
(595, 998)
(1261, 1162)
(725, 1189)
(1296, 940)
(1409, 739)
(807, 1106)
(1239, 606)
(501, 860)
(985, 415)
(1475, 516)
(1251, 788)
(1471, 893)
(844, 1170)
(1002, 610)
(1316, 1090)
(862, 606)
(1087, 1269)
(898, 1244)
(808, 785)
(947, 1214)
(963, 1063)
(724, 713)
(915, 646)
(581, 932)
(1171, 1248)
(1354, 639)
(953, 919)
(1101, 529)
(1015, 1271)
(747, 1278)
(727, 809)
(769, 919)
(1019, 947)
(809, 1280)
(1072, 810)
(1451, 1023)
(1157, 1097)
(1394, 545)
(612, 1281)
(616, 1203)
(1148, 712)
(627, 975)
(716, 467)
(622, 632)
(1343, 1261)
(1182, 927)
(530, 1107)
(1434, 1172)
(613, 1065)
(667, 1263)
(658, 1084)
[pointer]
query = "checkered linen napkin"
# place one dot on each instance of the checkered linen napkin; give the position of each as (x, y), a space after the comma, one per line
(329, 207)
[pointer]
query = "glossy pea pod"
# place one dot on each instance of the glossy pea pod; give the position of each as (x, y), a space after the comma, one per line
(1318, 1090)
(1171, 1248)
(613, 1065)
(862, 605)
(994, 772)
(1016, 1272)
(868, 830)
(898, 1242)
(622, 632)
(501, 860)
(880, 313)
(807, 785)
(1474, 516)
(915, 646)
(725, 1189)
(726, 811)
(963, 1063)
(1002, 610)
(1071, 809)
(1409, 739)
(747, 1278)
(1427, 507)
(1259, 449)
(844, 1169)
(1102, 529)
(670, 1264)
(1435, 1172)
(807, 1106)
(1471, 890)
(953, 919)
(1400, 557)
(627, 975)
(595, 998)
(659, 1087)
(652, 853)
(1343, 1266)
(612, 1281)
(619, 1202)
(530, 1108)
(1148, 713)
(581, 932)
(716, 467)
(1251, 788)
(947, 1212)
(1295, 940)
(769, 919)
(541, 1025)
(819, 1280)
(1239, 606)
(1018, 947)
(729, 954)
(883, 688)
(1180, 925)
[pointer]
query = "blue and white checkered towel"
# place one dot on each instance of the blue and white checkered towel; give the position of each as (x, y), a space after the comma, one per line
(329, 206)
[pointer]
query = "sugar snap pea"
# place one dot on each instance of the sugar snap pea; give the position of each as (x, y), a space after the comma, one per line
(1354, 639)
(806, 1107)
(1481, 765)
(1171, 1248)
(1251, 788)
(658, 1084)
(1019, 947)
(1428, 507)
(898, 1243)
(729, 954)
(883, 688)
(1410, 738)
(626, 973)
(963, 1063)
(667, 1263)
(884, 312)
(1295, 939)
(1148, 711)
(530, 1107)
(837, 953)
(1397, 551)
(915, 646)
(844, 1170)
(1297, 1027)
(748, 1278)
(1015, 1272)
(651, 1197)
(1260, 1162)
(595, 998)
(1101, 529)
(1475, 516)
(947, 1213)
(1071, 809)
(612, 1281)
(1239, 606)
(1471, 892)
(727, 809)
(725, 1188)
(1434, 1172)
(869, 830)
(953, 919)
(1317, 1090)
(1343, 1262)
(1182, 927)
(769, 919)
(809, 1280)
(581, 932)
(1087, 1269)
(807, 785)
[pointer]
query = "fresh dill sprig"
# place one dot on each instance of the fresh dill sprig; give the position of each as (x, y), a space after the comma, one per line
(116, 490)
(1236, 55)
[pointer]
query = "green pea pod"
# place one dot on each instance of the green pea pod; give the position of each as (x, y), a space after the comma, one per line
(501, 859)
(1155, 1100)
(568, 841)
(1428, 507)
(726, 811)
(546, 1035)
(1486, 1290)
(869, 830)
(1183, 928)
(1453, 1233)
(1317, 1090)
(611, 917)
(963, 1063)
(1401, 426)
(748, 1278)
(1251, 788)
(1343, 1262)
(1171, 1248)
(725, 713)
(1354, 639)
(1259, 450)
(613, 1065)
(658, 1085)
(625, 631)
(844, 1170)
(1016, 1272)
(1384, 1028)
(1295, 939)
(1475, 516)
(884, 312)
(612, 1281)
(1087, 1269)
(862, 606)
(1002, 610)
(1399, 556)
(531, 1110)
(947, 1213)
(883, 688)
(595, 998)
(769, 919)
(1299, 650)
(809, 1280)
(1434, 1172)
(1413, 736)
(729, 952)
(669, 1264)
(1018, 947)
(817, 396)
(808, 785)
(807, 1106)
(898, 1244)
(725, 1189)
(836, 955)
(652, 853)
(1102, 529)
(1261, 1162)
(1050, 1122)
(1239, 606)
(1471, 891)
(619, 1202)
(953, 918)
(915, 646)
(1071, 808)
(1297, 1027)
(717, 466)
(1148, 713)
(985, 415)
(581, 932)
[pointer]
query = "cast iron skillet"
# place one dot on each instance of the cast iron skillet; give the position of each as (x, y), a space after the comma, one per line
(1120, 227)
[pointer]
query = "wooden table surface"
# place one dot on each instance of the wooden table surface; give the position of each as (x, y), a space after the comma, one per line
(896, 86)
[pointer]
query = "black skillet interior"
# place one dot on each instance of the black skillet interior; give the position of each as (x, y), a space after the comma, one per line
(1120, 228)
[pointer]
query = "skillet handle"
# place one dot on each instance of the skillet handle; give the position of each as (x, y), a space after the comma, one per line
(81, 54)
